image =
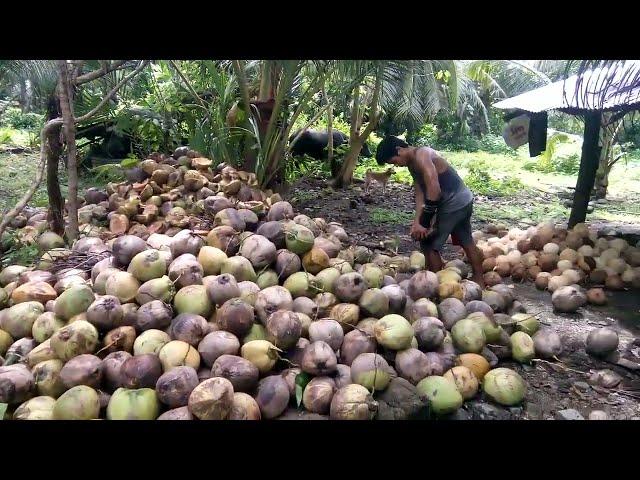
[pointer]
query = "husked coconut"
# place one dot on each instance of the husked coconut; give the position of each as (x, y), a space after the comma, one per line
(568, 299)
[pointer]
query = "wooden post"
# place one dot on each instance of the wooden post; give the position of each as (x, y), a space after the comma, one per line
(588, 167)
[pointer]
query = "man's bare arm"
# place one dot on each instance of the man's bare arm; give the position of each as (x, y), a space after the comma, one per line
(429, 173)
(419, 203)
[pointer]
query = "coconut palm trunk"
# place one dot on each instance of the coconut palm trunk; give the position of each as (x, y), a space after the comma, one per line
(357, 138)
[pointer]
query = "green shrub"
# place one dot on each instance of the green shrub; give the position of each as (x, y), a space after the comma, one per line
(18, 253)
(14, 117)
(567, 164)
(480, 181)
(427, 135)
(495, 144)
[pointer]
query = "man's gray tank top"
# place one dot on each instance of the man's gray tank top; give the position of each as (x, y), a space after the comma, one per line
(454, 193)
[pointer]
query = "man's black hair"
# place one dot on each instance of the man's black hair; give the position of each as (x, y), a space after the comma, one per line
(387, 148)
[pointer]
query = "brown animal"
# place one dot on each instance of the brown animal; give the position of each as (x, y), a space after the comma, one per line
(381, 177)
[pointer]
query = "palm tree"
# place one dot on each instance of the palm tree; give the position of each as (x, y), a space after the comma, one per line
(401, 91)
(33, 78)
(284, 90)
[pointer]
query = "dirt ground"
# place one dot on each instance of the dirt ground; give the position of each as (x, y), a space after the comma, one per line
(553, 386)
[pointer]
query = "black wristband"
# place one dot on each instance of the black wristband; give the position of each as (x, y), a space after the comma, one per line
(429, 211)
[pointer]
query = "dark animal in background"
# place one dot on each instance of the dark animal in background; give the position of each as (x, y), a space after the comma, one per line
(107, 145)
(314, 143)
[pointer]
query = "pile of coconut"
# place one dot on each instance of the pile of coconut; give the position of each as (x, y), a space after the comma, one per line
(560, 261)
(265, 312)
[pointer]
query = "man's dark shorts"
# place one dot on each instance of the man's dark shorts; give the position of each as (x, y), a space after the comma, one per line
(457, 224)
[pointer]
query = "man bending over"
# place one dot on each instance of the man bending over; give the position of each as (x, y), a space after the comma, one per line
(444, 204)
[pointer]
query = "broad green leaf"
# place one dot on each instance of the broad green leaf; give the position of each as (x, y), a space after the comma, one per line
(3, 409)
(302, 379)
(129, 162)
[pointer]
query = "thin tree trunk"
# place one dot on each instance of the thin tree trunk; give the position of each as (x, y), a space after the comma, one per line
(609, 133)
(350, 161)
(70, 137)
(345, 176)
(15, 211)
(329, 128)
(53, 153)
(23, 96)
(588, 167)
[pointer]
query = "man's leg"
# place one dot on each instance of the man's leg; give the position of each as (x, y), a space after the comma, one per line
(475, 258)
(434, 260)
(462, 231)
(432, 244)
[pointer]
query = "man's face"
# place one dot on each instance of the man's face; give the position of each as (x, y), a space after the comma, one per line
(401, 158)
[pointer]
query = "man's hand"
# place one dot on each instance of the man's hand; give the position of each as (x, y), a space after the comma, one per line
(418, 232)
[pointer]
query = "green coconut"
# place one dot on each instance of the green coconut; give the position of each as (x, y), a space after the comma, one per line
(393, 332)
(78, 403)
(37, 408)
(11, 273)
(147, 265)
(74, 339)
(4, 298)
(240, 268)
(267, 278)
(47, 378)
(504, 386)
(442, 394)
(177, 353)
(526, 323)
(522, 347)
(374, 303)
(41, 353)
(5, 342)
(341, 265)
(302, 284)
(417, 260)
(193, 299)
(100, 283)
(327, 278)
(468, 336)
(256, 332)
(50, 240)
(133, 404)
(74, 300)
(262, 353)
(299, 239)
(346, 314)
(122, 285)
(156, 289)
(150, 341)
(45, 325)
(373, 275)
(371, 371)
(19, 319)
(491, 329)
(211, 259)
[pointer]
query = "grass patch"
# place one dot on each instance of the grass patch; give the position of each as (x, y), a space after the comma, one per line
(303, 196)
(17, 172)
(530, 214)
(384, 216)
(620, 211)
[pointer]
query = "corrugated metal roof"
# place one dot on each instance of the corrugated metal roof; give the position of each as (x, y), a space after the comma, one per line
(598, 89)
